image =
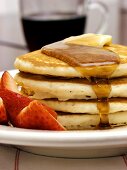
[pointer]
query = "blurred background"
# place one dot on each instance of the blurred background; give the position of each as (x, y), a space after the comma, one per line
(13, 42)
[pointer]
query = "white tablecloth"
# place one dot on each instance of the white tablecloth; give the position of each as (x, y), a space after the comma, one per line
(15, 159)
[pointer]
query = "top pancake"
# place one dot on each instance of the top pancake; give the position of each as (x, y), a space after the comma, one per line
(97, 66)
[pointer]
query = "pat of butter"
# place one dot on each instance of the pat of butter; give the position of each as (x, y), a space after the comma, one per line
(90, 39)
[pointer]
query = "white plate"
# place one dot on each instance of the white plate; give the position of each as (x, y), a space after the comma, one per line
(73, 144)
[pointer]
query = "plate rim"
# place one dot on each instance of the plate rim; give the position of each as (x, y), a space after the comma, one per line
(87, 138)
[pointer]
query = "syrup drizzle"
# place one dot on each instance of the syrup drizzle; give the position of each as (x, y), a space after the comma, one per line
(102, 89)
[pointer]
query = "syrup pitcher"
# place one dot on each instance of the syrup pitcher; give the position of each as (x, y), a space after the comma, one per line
(47, 21)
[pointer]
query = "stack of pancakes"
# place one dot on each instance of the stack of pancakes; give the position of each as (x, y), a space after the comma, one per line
(84, 82)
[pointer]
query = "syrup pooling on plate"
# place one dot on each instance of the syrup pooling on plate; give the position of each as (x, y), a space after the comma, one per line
(91, 62)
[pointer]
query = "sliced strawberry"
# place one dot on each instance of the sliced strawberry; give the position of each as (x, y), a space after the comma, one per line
(8, 82)
(3, 115)
(35, 116)
(14, 103)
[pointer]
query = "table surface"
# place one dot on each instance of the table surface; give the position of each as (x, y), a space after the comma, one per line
(15, 159)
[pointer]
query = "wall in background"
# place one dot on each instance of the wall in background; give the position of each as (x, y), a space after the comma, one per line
(10, 32)
(8, 6)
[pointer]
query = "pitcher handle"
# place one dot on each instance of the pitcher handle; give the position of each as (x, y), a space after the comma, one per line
(101, 29)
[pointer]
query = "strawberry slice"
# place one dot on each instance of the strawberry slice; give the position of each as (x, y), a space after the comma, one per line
(7, 82)
(36, 116)
(14, 103)
(3, 115)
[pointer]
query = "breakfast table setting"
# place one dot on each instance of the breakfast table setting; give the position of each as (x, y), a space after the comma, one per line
(93, 139)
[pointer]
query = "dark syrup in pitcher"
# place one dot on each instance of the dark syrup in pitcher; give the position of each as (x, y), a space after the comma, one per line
(42, 29)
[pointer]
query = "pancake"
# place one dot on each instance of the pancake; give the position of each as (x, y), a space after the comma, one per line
(38, 63)
(41, 87)
(86, 106)
(86, 121)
